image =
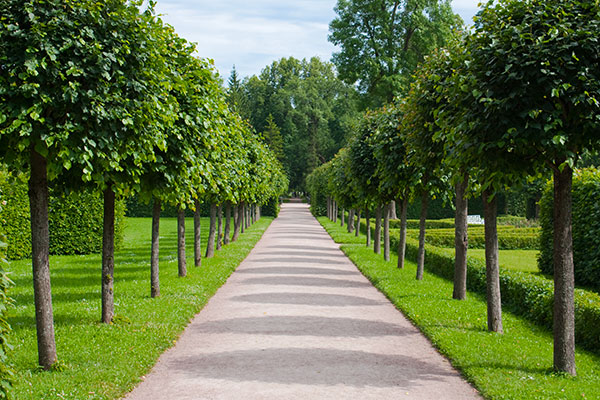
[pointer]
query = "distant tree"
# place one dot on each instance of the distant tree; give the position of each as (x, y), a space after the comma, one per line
(273, 139)
(236, 98)
(382, 41)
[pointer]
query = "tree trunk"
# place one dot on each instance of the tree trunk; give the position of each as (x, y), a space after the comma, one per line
(236, 222)
(368, 225)
(210, 243)
(108, 256)
(564, 278)
(227, 223)
(154, 271)
(197, 235)
(242, 217)
(392, 210)
(357, 228)
(377, 234)
(402, 241)
(461, 240)
(219, 226)
(422, 226)
(386, 233)
(335, 211)
(342, 216)
(492, 271)
(40, 250)
(350, 224)
(328, 207)
(181, 262)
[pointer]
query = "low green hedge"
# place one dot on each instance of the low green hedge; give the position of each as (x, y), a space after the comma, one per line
(524, 293)
(6, 372)
(75, 220)
(507, 240)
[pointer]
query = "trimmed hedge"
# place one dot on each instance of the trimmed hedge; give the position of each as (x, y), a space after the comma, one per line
(509, 238)
(137, 208)
(586, 228)
(526, 294)
(75, 220)
(271, 209)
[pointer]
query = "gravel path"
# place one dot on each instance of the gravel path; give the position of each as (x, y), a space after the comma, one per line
(297, 320)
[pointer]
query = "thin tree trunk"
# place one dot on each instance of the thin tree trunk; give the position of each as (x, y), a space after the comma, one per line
(197, 235)
(350, 224)
(402, 241)
(368, 224)
(108, 256)
(461, 240)
(377, 234)
(328, 207)
(227, 223)
(386, 233)
(210, 243)
(492, 271)
(181, 262)
(342, 216)
(154, 270)
(219, 226)
(564, 278)
(242, 217)
(357, 228)
(392, 210)
(40, 250)
(335, 211)
(236, 222)
(422, 227)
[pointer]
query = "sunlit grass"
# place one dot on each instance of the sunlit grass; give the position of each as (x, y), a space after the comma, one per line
(105, 361)
(514, 365)
(519, 260)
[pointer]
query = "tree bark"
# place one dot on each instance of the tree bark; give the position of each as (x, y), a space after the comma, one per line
(357, 228)
(197, 235)
(386, 233)
(402, 241)
(108, 256)
(350, 223)
(377, 234)
(461, 240)
(181, 262)
(236, 222)
(342, 216)
(210, 243)
(335, 211)
(242, 217)
(392, 210)
(492, 270)
(154, 270)
(219, 226)
(564, 278)
(328, 207)
(40, 250)
(368, 225)
(227, 223)
(422, 226)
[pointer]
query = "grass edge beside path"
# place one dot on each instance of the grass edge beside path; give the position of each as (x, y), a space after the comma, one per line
(98, 361)
(515, 365)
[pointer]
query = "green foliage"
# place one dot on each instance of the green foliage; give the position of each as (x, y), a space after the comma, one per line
(586, 228)
(381, 42)
(318, 189)
(271, 208)
(75, 220)
(6, 371)
(273, 139)
(508, 239)
(313, 109)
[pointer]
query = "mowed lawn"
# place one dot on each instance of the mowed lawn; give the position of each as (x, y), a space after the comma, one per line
(100, 361)
(519, 260)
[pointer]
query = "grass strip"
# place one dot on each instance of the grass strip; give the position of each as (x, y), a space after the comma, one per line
(99, 361)
(514, 365)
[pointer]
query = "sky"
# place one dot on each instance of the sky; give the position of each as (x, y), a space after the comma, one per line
(252, 34)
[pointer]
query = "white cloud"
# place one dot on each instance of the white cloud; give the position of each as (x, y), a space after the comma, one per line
(252, 34)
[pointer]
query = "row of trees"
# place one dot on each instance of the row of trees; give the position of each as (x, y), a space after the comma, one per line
(515, 97)
(104, 96)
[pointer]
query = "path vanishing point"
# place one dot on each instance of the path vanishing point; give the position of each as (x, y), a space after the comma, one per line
(297, 320)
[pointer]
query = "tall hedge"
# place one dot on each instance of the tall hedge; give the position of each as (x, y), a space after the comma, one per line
(586, 228)
(75, 220)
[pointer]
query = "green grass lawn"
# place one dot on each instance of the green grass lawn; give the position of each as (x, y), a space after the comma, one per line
(514, 365)
(519, 260)
(105, 361)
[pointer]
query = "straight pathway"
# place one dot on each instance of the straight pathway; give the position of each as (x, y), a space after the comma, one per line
(297, 320)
